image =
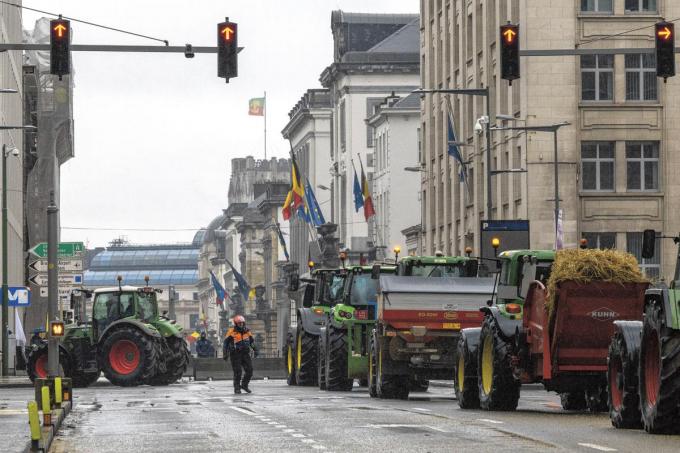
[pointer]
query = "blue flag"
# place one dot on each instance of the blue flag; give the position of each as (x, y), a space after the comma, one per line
(219, 290)
(243, 286)
(358, 193)
(315, 214)
(453, 149)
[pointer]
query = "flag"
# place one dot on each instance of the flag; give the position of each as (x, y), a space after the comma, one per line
(256, 106)
(243, 286)
(369, 211)
(19, 329)
(453, 149)
(296, 195)
(282, 241)
(219, 290)
(287, 205)
(358, 195)
(251, 294)
(315, 214)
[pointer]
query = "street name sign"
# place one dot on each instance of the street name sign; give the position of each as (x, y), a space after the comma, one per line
(64, 279)
(65, 265)
(65, 249)
(64, 291)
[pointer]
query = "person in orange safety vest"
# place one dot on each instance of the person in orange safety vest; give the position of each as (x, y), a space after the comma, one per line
(237, 345)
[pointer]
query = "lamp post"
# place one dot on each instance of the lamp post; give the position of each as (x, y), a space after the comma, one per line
(549, 128)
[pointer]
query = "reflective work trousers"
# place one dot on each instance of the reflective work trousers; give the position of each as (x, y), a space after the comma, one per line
(241, 364)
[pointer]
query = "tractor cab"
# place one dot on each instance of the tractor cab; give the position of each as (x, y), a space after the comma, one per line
(113, 304)
(437, 266)
(361, 288)
(518, 270)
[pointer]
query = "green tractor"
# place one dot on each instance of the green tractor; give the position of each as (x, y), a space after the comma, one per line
(127, 340)
(320, 290)
(644, 358)
(344, 338)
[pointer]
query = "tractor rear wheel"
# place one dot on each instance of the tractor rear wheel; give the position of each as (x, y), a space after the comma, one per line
(659, 374)
(466, 382)
(305, 358)
(573, 401)
(175, 363)
(498, 388)
(128, 357)
(336, 360)
(290, 361)
(388, 386)
(37, 363)
(622, 377)
(321, 362)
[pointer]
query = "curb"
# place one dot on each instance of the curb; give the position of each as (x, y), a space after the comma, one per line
(48, 432)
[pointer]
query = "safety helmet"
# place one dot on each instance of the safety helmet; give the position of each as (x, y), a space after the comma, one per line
(203, 335)
(238, 319)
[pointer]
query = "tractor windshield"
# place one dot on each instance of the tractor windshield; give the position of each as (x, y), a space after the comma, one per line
(335, 287)
(438, 270)
(148, 307)
(364, 290)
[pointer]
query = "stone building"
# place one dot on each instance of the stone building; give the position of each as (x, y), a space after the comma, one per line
(374, 55)
(615, 162)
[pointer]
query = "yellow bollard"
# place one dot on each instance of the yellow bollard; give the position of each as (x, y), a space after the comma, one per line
(46, 406)
(57, 391)
(34, 423)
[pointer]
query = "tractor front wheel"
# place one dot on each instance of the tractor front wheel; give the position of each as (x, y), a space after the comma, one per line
(37, 363)
(321, 362)
(128, 357)
(622, 377)
(659, 376)
(498, 388)
(466, 383)
(372, 378)
(290, 361)
(176, 362)
(305, 358)
(573, 401)
(336, 360)
(388, 386)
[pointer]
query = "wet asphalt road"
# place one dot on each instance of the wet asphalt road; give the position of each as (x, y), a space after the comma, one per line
(208, 417)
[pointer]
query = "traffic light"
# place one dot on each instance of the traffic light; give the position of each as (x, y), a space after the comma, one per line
(60, 40)
(227, 50)
(510, 52)
(664, 33)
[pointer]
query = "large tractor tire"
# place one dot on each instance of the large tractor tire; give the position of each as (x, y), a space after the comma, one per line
(596, 399)
(659, 373)
(466, 383)
(81, 379)
(290, 361)
(37, 363)
(573, 401)
(388, 386)
(336, 360)
(372, 368)
(498, 388)
(176, 362)
(128, 357)
(418, 385)
(321, 362)
(306, 369)
(622, 377)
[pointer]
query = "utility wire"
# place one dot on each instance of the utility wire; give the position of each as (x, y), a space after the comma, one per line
(601, 38)
(165, 41)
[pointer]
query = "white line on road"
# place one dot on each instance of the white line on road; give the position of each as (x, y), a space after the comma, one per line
(488, 420)
(243, 411)
(298, 435)
(597, 447)
(421, 409)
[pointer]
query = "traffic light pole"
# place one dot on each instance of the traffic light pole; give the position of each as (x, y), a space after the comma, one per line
(52, 285)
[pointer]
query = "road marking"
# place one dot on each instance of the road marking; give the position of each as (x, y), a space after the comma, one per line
(421, 409)
(288, 430)
(488, 420)
(308, 441)
(298, 435)
(243, 411)
(318, 447)
(272, 423)
(597, 447)
(280, 426)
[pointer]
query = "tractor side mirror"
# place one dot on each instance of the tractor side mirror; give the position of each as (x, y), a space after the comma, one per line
(294, 283)
(375, 272)
(648, 243)
(470, 268)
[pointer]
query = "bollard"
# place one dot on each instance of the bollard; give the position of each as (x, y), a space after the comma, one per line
(57, 392)
(46, 407)
(34, 423)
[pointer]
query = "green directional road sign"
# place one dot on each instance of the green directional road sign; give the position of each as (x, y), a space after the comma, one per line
(65, 249)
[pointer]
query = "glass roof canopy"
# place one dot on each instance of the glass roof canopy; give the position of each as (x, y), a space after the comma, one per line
(155, 258)
(136, 277)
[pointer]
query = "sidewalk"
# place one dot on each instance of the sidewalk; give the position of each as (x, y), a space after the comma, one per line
(15, 381)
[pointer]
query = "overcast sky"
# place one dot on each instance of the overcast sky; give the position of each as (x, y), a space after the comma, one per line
(154, 133)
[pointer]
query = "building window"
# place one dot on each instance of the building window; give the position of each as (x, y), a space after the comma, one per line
(195, 296)
(600, 240)
(641, 77)
(597, 77)
(642, 166)
(597, 165)
(651, 267)
(341, 120)
(640, 6)
(372, 105)
(599, 6)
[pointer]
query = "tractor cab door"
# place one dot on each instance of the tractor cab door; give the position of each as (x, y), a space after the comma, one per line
(110, 307)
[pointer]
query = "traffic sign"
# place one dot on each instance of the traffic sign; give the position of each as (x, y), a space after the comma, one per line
(66, 249)
(64, 279)
(64, 291)
(19, 296)
(65, 265)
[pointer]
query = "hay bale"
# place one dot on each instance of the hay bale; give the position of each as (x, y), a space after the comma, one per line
(589, 265)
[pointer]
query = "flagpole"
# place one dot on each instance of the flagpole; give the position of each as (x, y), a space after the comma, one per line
(265, 125)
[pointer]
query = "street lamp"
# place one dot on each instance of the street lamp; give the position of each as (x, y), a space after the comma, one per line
(549, 128)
